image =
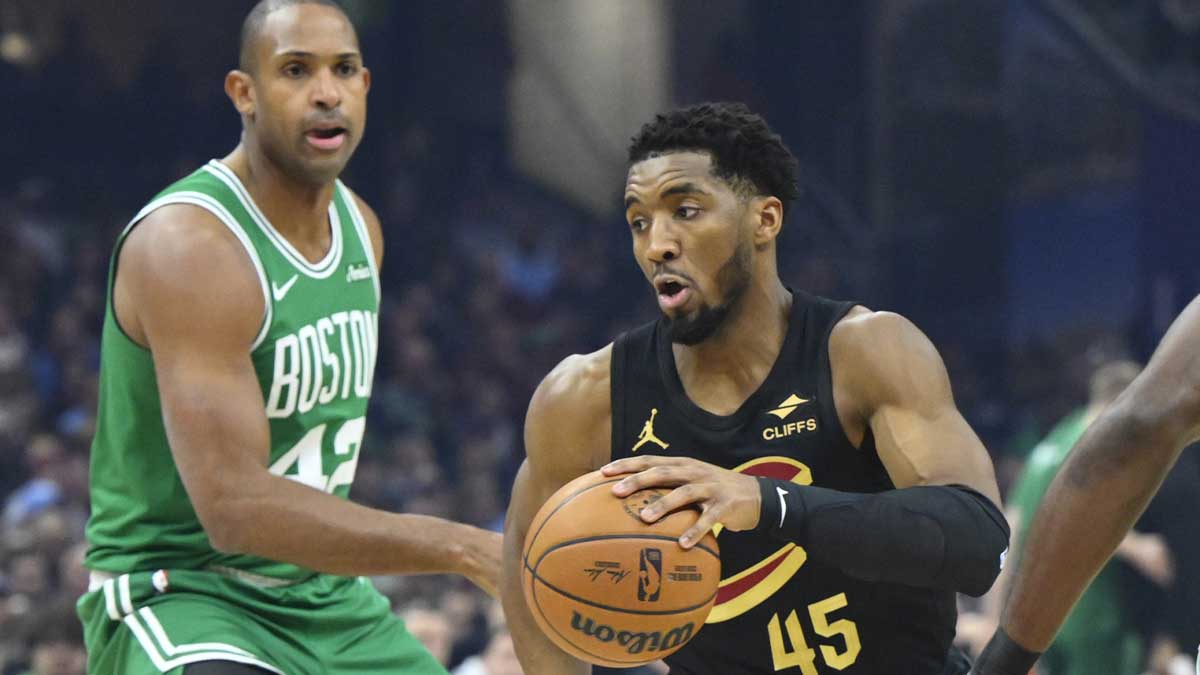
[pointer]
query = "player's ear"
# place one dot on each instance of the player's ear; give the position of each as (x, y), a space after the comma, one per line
(239, 87)
(366, 75)
(768, 219)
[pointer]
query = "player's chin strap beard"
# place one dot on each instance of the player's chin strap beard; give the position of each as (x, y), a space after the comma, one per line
(732, 279)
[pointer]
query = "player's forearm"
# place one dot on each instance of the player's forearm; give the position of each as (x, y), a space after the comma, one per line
(933, 536)
(534, 650)
(280, 519)
(1103, 487)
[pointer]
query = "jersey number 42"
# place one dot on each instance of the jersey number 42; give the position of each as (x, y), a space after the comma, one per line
(311, 466)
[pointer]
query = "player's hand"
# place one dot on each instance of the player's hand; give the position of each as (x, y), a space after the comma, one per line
(723, 496)
(485, 560)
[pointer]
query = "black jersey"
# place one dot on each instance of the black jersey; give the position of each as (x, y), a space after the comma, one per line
(777, 610)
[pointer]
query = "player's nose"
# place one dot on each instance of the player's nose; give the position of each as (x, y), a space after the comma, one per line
(325, 92)
(664, 244)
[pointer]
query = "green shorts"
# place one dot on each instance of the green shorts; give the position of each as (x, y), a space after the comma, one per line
(158, 622)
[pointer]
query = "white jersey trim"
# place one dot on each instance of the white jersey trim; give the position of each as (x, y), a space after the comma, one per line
(215, 207)
(319, 270)
(360, 225)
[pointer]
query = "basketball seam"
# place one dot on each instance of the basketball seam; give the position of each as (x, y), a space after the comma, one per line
(631, 535)
(564, 502)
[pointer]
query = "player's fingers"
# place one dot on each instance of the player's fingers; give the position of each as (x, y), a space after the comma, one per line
(703, 524)
(676, 499)
(655, 476)
(627, 465)
(635, 464)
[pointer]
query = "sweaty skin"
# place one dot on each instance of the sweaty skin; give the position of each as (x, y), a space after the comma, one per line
(687, 225)
(1104, 486)
(181, 268)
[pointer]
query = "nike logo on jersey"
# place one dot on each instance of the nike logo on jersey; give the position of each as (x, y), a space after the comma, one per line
(357, 272)
(279, 291)
(782, 504)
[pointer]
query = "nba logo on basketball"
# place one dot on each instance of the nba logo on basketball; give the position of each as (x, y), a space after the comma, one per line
(650, 575)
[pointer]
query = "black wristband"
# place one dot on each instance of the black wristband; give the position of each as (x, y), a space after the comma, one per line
(771, 511)
(1003, 656)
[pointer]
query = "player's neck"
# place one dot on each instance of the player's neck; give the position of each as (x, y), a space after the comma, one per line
(299, 211)
(720, 373)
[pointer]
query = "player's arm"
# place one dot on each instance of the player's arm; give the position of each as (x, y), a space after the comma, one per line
(941, 527)
(186, 290)
(1102, 488)
(567, 434)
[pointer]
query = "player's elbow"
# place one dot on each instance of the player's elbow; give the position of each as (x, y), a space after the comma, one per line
(982, 565)
(224, 524)
(224, 534)
(1142, 428)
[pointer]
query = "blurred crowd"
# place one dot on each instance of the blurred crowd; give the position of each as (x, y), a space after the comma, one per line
(490, 280)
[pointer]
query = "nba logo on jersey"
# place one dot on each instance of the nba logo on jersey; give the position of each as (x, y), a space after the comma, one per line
(650, 574)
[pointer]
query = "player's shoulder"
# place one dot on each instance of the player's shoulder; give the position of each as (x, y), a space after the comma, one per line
(185, 240)
(372, 221)
(869, 336)
(368, 213)
(579, 384)
(181, 262)
(880, 357)
(569, 423)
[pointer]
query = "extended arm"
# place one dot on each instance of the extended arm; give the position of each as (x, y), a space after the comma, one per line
(567, 434)
(187, 291)
(941, 528)
(1103, 487)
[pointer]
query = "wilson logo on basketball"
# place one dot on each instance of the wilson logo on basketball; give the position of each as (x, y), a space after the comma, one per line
(649, 574)
(634, 642)
(743, 590)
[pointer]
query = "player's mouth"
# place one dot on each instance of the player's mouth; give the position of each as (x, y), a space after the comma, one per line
(673, 292)
(326, 137)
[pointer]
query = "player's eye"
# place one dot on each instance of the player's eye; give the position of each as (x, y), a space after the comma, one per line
(347, 68)
(293, 70)
(686, 212)
(638, 224)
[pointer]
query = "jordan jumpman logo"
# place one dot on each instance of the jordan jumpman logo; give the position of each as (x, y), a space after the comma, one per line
(647, 435)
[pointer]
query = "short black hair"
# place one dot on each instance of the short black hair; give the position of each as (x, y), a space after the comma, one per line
(743, 148)
(254, 21)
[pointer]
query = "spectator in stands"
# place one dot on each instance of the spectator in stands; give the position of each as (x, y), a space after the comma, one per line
(432, 628)
(55, 642)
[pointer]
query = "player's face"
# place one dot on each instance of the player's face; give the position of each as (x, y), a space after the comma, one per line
(692, 240)
(310, 91)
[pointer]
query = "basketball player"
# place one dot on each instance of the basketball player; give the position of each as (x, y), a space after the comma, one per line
(1105, 484)
(238, 352)
(855, 499)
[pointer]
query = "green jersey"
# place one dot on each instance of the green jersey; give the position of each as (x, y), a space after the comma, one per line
(314, 357)
(1096, 636)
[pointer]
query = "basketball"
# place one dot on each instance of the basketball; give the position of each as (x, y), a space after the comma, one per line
(609, 588)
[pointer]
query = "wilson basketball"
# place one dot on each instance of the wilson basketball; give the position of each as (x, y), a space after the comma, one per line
(609, 588)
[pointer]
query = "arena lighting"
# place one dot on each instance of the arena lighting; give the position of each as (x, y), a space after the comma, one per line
(16, 48)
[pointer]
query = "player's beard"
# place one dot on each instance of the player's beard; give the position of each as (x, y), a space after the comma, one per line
(732, 281)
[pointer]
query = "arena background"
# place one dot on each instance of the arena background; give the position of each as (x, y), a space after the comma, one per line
(1019, 177)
